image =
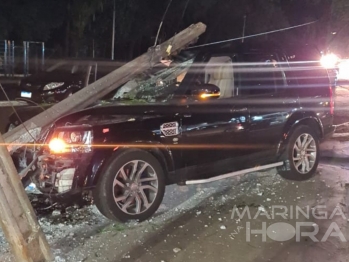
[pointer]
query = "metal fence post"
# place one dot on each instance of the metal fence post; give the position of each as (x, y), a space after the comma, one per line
(13, 58)
(25, 58)
(5, 58)
(42, 56)
(28, 58)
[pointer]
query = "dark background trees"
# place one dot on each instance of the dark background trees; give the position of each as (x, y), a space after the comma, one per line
(84, 27)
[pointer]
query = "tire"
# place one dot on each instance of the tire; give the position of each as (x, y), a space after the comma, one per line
(302, 155)
(136, 179)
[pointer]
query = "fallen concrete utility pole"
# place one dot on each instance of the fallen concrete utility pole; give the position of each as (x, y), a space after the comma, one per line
(17, 217)
(102, 87)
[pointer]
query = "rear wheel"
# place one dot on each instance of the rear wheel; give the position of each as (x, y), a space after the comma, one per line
(302, 154)
(131, 186)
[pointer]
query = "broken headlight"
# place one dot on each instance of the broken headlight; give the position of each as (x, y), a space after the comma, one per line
(71, 141)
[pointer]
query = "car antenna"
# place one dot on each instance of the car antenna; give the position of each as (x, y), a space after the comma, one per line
(16, 113)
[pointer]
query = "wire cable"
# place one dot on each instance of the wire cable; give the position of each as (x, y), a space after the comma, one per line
(183, 13)
(178, 26)
(255, 35)
(162, 21)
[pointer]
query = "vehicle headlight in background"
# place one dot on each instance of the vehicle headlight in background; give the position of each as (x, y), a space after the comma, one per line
(71, 142)
(344, 70)
(329, 61)
(53, 85)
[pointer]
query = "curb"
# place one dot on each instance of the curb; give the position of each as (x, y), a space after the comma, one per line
(340, 135)
(335, 148)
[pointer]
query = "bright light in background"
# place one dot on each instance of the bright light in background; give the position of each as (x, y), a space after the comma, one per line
(329, 61)
(344, 69)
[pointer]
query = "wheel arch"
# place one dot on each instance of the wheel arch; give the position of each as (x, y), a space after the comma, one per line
(101, 157)
(307, 119)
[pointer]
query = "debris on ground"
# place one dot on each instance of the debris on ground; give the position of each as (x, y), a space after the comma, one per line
(176, 250)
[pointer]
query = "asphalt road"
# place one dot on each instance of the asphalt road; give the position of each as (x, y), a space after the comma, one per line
(195, 223)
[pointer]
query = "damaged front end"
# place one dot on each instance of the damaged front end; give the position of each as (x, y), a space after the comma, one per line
(63, 164)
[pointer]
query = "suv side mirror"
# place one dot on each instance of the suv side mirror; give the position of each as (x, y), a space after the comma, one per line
(206, 91)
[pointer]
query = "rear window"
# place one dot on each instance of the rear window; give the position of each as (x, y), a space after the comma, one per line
(306, 70)
(259, 74)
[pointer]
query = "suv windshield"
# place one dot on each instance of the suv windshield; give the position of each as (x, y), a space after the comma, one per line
(157, 85)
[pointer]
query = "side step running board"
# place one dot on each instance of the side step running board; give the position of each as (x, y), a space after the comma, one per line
(232, 174)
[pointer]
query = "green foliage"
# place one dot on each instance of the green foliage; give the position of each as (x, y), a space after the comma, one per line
(29, 20)
(76, 24)
(80, 12)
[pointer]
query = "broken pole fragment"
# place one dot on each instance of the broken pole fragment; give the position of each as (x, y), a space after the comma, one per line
(17, 217)
(102, 87)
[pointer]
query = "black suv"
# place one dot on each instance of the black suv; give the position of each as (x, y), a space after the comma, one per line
(232, 111)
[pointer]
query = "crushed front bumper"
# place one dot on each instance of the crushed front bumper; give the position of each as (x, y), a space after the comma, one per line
(63, 177)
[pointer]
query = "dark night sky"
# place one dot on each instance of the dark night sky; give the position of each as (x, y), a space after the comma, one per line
(73, 27)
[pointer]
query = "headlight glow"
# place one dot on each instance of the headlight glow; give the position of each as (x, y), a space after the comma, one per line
(57, 145)
(329, 61)
(71, 141)
(53, 85)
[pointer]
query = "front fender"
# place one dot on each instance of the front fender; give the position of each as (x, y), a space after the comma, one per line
(101, 156)
(145, 139)
(98, 160)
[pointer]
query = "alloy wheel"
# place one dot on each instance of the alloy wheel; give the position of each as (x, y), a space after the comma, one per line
(135, 187)
(304, 153)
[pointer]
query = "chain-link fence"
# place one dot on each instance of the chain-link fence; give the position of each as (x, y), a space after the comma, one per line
(22, 59)
(6, 57)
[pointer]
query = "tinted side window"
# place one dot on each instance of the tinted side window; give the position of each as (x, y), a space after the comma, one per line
(259, 74)
(305, 67)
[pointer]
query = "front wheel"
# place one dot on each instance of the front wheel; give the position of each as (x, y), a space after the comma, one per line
(302, 154)
(131, 186)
